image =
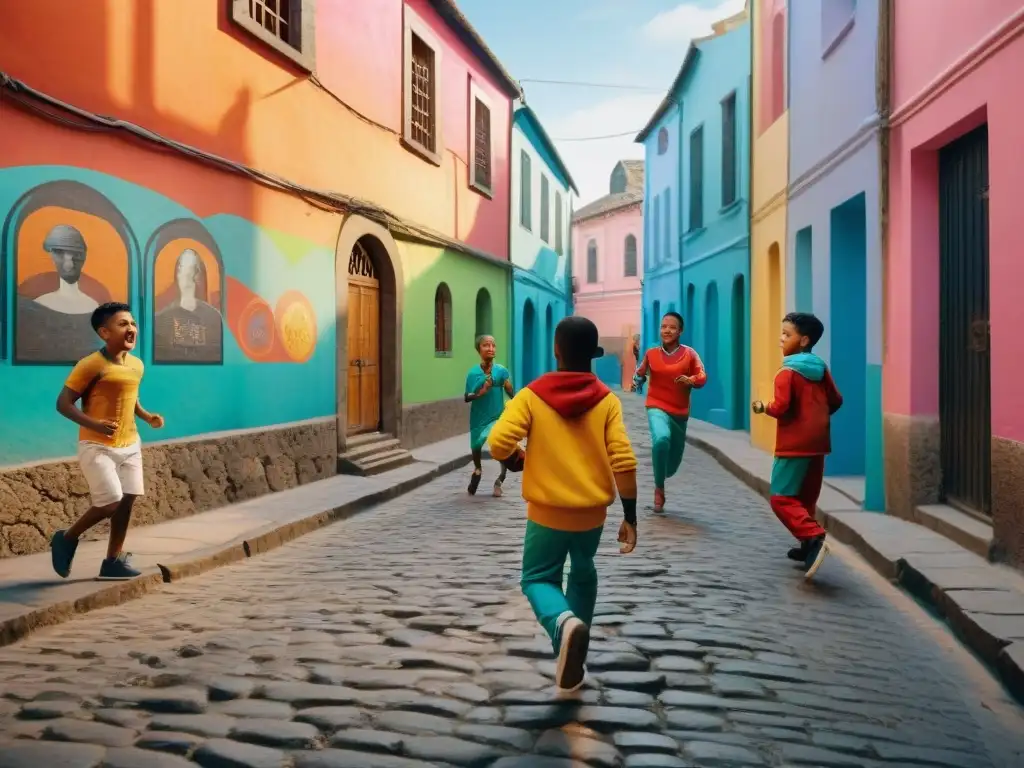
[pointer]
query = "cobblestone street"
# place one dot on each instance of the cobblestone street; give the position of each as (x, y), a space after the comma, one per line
(399, 638)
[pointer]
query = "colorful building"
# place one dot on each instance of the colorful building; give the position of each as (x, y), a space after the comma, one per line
(607, 270)
(540, 220)
(954, 418)
(834, 230)
(281, 235)
(768, 189)
(697, 215)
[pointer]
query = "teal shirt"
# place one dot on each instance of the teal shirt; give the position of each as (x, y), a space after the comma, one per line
(484, 412)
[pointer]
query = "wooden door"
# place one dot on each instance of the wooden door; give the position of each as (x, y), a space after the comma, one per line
(363, 344)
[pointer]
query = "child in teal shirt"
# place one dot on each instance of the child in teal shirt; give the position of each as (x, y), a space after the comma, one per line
(486, 385)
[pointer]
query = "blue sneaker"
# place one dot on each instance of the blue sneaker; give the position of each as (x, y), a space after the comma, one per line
(118, 568)
(62, 553)
(816, 552)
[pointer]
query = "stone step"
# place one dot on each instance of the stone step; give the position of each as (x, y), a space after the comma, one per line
(364, 450)
(371, 454)
(387, 461)
(366, 438)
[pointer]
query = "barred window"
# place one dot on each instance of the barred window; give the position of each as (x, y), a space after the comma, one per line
(443, 320)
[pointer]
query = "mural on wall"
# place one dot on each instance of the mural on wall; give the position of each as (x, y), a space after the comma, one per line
(188, 295)
(72, 250)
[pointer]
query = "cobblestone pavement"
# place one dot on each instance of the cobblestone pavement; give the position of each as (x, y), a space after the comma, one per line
(399, 638)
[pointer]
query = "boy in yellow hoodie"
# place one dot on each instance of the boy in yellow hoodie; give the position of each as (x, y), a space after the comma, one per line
(578, 455)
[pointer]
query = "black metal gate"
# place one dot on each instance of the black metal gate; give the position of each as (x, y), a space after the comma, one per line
(964, 391)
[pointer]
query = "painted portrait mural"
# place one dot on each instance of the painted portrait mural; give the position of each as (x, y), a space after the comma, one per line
(72, 250)
(188, 295)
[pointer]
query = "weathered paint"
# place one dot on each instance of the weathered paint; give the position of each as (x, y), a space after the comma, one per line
(833, 225)
(769, 179)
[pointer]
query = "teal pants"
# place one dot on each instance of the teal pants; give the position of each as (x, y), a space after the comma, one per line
(668, 441)
(544, 554)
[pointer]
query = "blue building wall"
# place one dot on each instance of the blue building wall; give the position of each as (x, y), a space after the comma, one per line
(834, 225)
(706, 275)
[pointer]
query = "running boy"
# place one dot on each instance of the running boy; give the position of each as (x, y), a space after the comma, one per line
(578, 454)
(486, 385)
(805, 399)
(674, 369)
(109, 452)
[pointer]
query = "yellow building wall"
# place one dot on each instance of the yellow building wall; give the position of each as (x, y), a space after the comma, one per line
(768, 192)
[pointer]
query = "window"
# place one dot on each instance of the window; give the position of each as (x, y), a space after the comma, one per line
(484, 322)
(592, 261)
(629, 257)
(480, 140)
(525, 190)
(421, 127)
(729, 149)
(545, 210)
(662, 141)
(656, 232)
(443, 320)
(697, 178)
(778, 71)
(837, 17)
(668, 224)
(558, 223)
(287, 26)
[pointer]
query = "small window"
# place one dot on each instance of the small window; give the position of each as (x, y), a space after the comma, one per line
(592, 261)
(484, 322)
(558, 223)
(443, 320)
(287, 26)
(778, 67)
(662, 141)
(480, 140)
(421, 124)
(525, 190)
(729, 149)
(697, 178)
(656, 232)
(668, 224)
(629, 257)
(545, 210)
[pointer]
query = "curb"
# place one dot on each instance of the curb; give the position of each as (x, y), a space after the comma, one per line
(19, 627)
(1004, 657)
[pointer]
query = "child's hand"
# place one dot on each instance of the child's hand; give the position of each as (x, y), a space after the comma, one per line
(516, 462)
(686, 381)
(757, 406)
(156, 421)
(627, 538)
(486, 386)
(106, 427)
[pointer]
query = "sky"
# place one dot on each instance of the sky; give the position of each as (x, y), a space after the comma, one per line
(636, 43)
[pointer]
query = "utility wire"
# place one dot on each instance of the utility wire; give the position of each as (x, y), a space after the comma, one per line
(600, 138)
(582, 84)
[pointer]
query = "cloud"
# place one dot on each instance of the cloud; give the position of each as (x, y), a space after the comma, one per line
(591, 162)
(688, 20)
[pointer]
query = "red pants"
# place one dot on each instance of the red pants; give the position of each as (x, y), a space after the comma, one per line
(796, 485)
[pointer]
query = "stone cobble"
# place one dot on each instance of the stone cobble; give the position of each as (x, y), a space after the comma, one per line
(399, 639)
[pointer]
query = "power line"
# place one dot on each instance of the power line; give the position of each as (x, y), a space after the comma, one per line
(581, 84)
(599, 138)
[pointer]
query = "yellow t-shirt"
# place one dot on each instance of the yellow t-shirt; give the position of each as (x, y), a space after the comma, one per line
(109, 390)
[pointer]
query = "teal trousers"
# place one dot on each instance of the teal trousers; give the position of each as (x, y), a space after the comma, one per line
(544, 553)
(668, 441)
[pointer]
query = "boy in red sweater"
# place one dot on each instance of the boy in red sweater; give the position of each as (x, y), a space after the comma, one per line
(805, 399)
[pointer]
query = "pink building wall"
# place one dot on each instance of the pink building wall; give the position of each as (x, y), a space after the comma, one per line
(614, 301)
(958, 76)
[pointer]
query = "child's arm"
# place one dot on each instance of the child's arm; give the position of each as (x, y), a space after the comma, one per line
(779, 406)
(623, 464)
(508, 388)
(835, 400)
(511, 428)
(698, 376)
(82, 377)
(155, 420)
(476, 387)
(640, 374)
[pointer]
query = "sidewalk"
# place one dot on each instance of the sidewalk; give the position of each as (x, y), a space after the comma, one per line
(982, 602)
(32, 596)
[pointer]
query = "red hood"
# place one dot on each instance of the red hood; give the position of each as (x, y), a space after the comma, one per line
(569, 394)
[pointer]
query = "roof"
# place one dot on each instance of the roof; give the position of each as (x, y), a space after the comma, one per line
(547, 147)
(450, 13)
(608, 204)
(692, 52)
(634, 175)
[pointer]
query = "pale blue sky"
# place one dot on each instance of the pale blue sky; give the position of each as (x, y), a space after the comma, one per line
(628, 42)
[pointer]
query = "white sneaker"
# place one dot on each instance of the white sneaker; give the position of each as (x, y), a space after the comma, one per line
(570, 674)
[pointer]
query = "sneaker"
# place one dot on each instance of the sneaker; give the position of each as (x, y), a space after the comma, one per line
(816, 551)
(659, 500)
(118, 568)
(62, 553)
(570, 673)
(474, 483)
(497, 488)
(799, 553)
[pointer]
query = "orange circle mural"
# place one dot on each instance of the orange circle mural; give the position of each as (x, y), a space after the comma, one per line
(256, 331)
(296, 326)
(208, 287)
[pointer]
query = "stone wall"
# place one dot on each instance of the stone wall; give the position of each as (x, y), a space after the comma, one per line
(426, 423)
(182, 478)
(1008, 500)
(913, 469)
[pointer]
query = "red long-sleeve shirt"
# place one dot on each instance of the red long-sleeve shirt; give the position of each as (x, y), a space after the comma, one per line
(663, 392)
(803, 409)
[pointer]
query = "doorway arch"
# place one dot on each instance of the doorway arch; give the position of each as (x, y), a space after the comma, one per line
(774, 320)
(484, 316)
(711, 353)
(549, 340)
(529, 343)
(366, 253)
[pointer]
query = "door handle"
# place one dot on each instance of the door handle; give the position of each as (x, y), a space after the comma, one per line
(979, 334)
(357, 363)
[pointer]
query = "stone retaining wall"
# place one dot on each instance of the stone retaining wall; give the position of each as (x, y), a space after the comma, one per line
(425, 423)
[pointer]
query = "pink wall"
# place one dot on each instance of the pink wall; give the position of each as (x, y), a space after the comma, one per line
(365, 38)
(610, 233)
(772, 62)
(983, 45)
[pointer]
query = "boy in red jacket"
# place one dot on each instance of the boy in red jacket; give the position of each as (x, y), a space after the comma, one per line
(805, 399)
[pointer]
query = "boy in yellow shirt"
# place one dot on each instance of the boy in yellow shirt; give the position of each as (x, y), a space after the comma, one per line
(578, 455)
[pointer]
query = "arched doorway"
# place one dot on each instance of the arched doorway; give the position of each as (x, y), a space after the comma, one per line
(484, 315)
(711, 353)
(363, 342)
(529, 343)
(774, 320)
(549, 340)
(739, 353)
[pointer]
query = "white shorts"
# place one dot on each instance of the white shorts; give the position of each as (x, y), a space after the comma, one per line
(111, 473)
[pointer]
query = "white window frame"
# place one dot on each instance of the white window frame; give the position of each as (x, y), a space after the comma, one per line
(414, 25)
(477, 94)
(305, 55)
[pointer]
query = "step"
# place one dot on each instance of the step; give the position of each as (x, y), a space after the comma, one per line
(967, 531)
(363, 450)
(366, 438)
(386, 461)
